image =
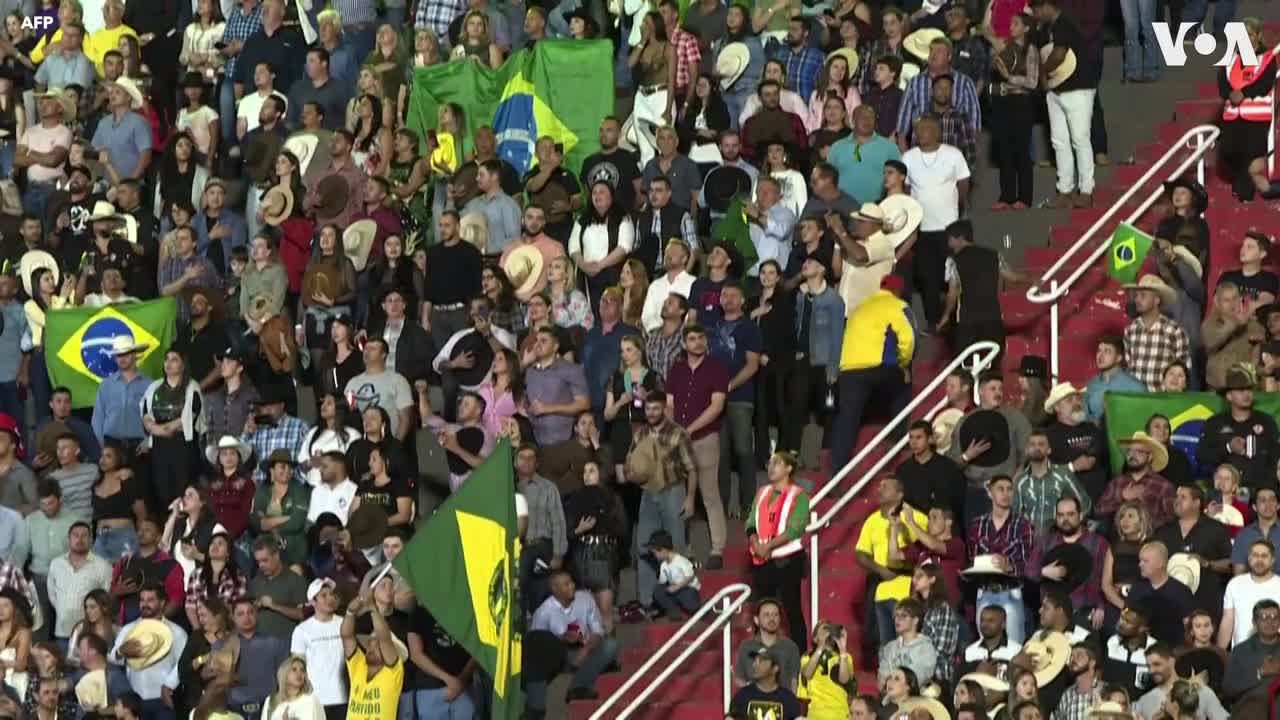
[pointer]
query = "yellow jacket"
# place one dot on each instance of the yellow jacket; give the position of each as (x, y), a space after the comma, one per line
(878, 334)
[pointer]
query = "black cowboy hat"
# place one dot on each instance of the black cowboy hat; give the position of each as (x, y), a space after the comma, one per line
(723, 184)
(593, 28)
(1199, 196)
(1034, 366)
(989, 425)
(1266, 311)
(1075, 557)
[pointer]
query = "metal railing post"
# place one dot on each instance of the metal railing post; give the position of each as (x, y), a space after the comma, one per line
(1200, 159)
(813, 573)
(726, 665)
(1053, 333)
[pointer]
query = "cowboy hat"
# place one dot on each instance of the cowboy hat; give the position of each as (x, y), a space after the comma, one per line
(990, 426)
(260, 156)
(228, 442)
(1108, 711)
(1034, 366)
(1183, 253)
(850, 56)
(357, 242)
(474, 228)
(303, 146)
(1063, 71)
(277, 204)
(334, 191)
(277, 457)
(102, 211)
(156, 640)
(65, 102)
(1185, 569)
(944, 424)
(1060, 392)
(919, 42)
(987, 681)
(1228, 515)
(1264, 312)
(1159, 453)
(1153, 283)
(902, 216)
(523, 266)
(731, 63)
(367, 525)
(985, 565)
(1050, 652)
(1239, 377)
(592, 28)
(33, 260)
(131, 89)
(908, 73)
(723, 183)
(91, 691)
(126, 345)
(869, 212)
(936, 710)
(1199, 196)
(1077, 561)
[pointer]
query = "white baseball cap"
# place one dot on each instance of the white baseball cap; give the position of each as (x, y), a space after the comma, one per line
(317, 585)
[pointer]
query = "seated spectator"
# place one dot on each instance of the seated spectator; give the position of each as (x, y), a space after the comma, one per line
(993, 644)
(573, 617)
(1258, 287)
(1163, 675)
(768, 622)
(766, 689)
(1241, 435)
(909, 648)
(1140, 481)
(941, 624)
(826, 675)
(1231, 335)
(1111, 377)
(676, 593)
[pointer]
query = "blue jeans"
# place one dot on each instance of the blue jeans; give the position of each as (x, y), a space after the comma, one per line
(622, 71)
(1015, 612)
(114, 543)
(7, 152)
(658, 511)
(736, 102)
(584, 675)
(1197, 10)
(36, 200)
(1141, 54)
(884, 621)
(362, 39)
(227, 111)
(736, 453)
(431, 705)
(685, 599)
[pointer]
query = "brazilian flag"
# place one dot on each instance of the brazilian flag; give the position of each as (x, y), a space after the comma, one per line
(462, 567)
(735, 229)
(1128, 413)
(1129, 247)
(78, 343)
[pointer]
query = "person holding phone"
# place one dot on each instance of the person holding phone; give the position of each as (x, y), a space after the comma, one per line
(826, 676)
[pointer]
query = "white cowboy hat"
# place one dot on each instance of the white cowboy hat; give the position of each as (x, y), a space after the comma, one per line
(224, 443)
(944, 426)
(1184, 254)
(33, 260)
(125, 345)
(902, 216)
(1156, 285)
(1159, 453)
(984, 565)
(64, 101)
(1050, 653)
(731, 63)
(357, 242)
(1229, 516)
(523, 267)
(474, 228)
(1060, 392)
(908, 73)
(988, 681)
(936, 710)
(103, 210)
(869, 212)
(131, 89)
(303, 146)
(1185, 569)
(850, 57)
(919, 42)
(91, 691)
(156, 640)
(1108, 711)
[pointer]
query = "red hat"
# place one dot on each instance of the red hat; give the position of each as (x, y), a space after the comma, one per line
(894, 283)
(9, 425)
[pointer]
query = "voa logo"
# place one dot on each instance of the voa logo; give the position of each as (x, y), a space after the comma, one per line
(1205, 44)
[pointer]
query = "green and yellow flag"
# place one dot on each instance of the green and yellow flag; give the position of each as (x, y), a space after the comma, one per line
(1128, 413)
(462, 566)
(1129, 247)
(735, 229)
(78, 342)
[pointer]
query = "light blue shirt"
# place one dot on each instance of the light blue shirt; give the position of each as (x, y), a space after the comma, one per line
(503, 216)
(60, 70)
(862, 168)
(15, 541)
(117, 412)
(773, 240)
(556, 618)
(1095, 391)
(125, 139)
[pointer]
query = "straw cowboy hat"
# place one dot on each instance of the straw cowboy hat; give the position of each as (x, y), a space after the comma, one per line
(731, 63)
(91, 691)
(850, 56)
(1185, 569)
(156, 640)
(944, 425)
(1108, 711)
(131, 89)
(909, 72)
(474, 228)
(985, 565)
(228, 442)
(303, 146)
(1159, 453)
(919, 42)
(1156, 285)
(1228, 515)
(936, 710)
(33, 260)
(357, 242)
(126, 345)
(523, 266)
(333, 193)
(902, 216)
(1050, 652)
(988, 681)
(277, 205)
(1060, 392)
(64, 101)
(869, 212)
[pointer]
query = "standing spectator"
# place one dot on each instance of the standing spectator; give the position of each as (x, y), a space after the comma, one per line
(675, 278)
(123, 138)
(546, 537)
(173, 415)
(117, 413)
(1170, 601)
(452, 280)
(1111, 376)
(1152, 341)
(1013, 108)
(819, 332)
(737, 343)
(269, 428)
(501, 213)
(445, 671)
(150, 677)
(43, 149)
(1241, 436)
(766, 689)
(1264, 527)
(974, 278)
(1006, 536)
(556, 389)
(1040, 485)
(1205, 539)
(378, 385)
(602, 349)
(939, 177)
(893, 580)
(601, 239)
(775, 532)
(1071, 103)
(860, 158)
(1075, 442)
(909, 648)
(929, 478)
(276, 590)
(71, 577)
(1245, 591)
(375, 663)
(48, 531)
(227, 405)
(75, 478)
(1140, 481)
(1069, 529)
(260, 655)
(919, 94)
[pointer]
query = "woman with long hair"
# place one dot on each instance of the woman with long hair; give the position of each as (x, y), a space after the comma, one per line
(199, 52)
(231, 486)
(899, 684)
(340, 362)
(598, 527)
(1200, 653)
(374, 139)
(17, 59)
(476, 41)
(217, 577)
(118, 504)
(1015, 74)
(99, 619)
(828, 658)
(738, 30)
(1120, 564)
(44, 297)
(653, 67)
(1034, 394)
(377, 436)
(209, 633)
(780, 164)
(189, 529)
(49, 665)
(332, 433)
(507, 312)
(599, 243)
(392, 270)
(703, 116)
(624, 400)
(183, 176)
(173, 416)
(833, 127)
(329, 288)
(1178, 471)
(426, 52)
(569, 306)
(634, 281)
(409, 173)
(1182, 702)
(386, 485)
(503, 392)
(1185, 225)
(15, 639)
(941, 622)
(388, 61)
(198, 118)
(280, 509)
(263, 277)
(293, 698)
(834, 81)
(774, 311)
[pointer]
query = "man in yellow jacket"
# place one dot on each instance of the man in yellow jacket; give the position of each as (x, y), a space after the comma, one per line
(879, 342)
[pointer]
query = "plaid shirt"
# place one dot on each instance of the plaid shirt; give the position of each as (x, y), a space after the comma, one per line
(1149, 350)
(239, 27)
(688, 57)
(231, 587)
(957, 132)
(1036, 499)
(436, 15)
(1088, 594)
(662, 350)
(355, 12)
(917, 100)
(677, 463)
(1012, 541)
(11, 578)
(942, 627)
(1157, 496)
(1075, 705)
(802, 68)
(546, 514)
(866, 74)
(288, 434)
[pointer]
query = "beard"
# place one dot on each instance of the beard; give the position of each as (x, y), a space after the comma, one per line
(1036, 455)
(1133, 465)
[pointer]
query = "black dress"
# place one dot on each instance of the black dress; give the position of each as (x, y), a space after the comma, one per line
(777, 329)
(596, 556)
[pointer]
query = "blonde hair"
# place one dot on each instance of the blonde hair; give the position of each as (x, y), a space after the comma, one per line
(570, 274)
(1144, 520)
(282, 676)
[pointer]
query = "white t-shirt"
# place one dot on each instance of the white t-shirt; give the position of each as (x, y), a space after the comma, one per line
(250, 105)
(1243, 592)
(336, 500)
(320, 441)
(593, 240)
(933, 177)
(677, 570)
(42, 139)
(387, 389)
(321, 644)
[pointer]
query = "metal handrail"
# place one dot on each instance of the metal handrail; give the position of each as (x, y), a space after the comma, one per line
(983, 354)
(727, 612)
(1203, 137)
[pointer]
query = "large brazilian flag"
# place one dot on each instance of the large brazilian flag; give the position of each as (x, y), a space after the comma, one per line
(1128, 413)
(462, 565)
(78, 341)
(559, 88)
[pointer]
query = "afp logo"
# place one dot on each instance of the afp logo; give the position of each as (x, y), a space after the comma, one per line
(1205, 44)
(38, 23)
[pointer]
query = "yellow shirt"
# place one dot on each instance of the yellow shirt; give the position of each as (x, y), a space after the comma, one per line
(99, 43)
(878, 334)
(828, 699)
(375, 699)
(874, 541)
(38, 52)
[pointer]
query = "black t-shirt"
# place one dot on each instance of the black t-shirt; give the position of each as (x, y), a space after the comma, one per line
(1068, 442)
(384, 497)
(826, 252)
(936, 482)
(752, 703)
(1063, 33)
(472, 440)
(620, 169)
(1208, 539)
(439, 646)
(979, 271)
(1251, 286)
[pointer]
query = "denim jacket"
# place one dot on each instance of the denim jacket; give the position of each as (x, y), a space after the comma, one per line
(827, 331)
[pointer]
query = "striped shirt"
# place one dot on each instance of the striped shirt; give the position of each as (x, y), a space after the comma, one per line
(1036, 497)
(356, 12)
(917, 100)
(1149, 350)
(240, 25)
(546, 514)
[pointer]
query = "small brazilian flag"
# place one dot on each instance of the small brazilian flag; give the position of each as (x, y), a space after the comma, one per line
(1129, 247)
(462, 565)
(78, 342)
(735, 229)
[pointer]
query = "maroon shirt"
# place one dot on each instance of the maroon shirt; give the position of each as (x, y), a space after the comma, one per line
(951, 560)
(691, 391)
